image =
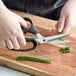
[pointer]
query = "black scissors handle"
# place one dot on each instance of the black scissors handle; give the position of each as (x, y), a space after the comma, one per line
(35, 43)
(32, 28)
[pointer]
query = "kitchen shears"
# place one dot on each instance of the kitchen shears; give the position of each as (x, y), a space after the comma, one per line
(40, 39)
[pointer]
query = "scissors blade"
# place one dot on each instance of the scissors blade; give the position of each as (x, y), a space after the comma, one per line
(51, 38)
(59, 41)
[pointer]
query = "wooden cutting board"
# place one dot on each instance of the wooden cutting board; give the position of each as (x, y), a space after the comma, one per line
(62, 64)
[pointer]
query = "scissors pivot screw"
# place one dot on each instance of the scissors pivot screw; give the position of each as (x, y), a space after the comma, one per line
(44, 40)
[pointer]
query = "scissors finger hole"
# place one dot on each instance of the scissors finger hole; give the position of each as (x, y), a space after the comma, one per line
(29, 47)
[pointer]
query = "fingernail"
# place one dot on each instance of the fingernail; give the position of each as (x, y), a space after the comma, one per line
(59, 30)
(17, 47)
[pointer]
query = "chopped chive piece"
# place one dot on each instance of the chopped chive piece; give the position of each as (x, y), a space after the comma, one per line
(65, 50)
(61, 33)
(62, 39)
(26, 58)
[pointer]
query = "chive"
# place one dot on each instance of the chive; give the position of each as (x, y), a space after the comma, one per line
(65, 50)
(62, 39)
(60, 32)
(26, 58)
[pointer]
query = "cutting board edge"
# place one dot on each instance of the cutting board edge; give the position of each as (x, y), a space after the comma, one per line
(22, 67)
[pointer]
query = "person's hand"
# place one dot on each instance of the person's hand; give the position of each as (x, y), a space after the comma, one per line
(11, 34)
(67, 18)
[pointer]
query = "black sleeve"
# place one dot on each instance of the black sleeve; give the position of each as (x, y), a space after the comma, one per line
(15, 4)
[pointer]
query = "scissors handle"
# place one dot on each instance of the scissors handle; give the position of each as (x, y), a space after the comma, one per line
(35, 43)
(32, 28)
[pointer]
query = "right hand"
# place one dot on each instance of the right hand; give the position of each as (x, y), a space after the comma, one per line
(11, 34)
(67, 18)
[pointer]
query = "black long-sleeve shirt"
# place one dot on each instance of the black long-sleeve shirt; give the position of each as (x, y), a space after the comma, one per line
(45, 8)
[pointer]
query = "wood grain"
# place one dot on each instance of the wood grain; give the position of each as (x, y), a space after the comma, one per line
(63, 64)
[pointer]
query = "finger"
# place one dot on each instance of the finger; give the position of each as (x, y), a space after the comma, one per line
(9, 44)
(67, 25)
(2, 42)
(15, 43)
(21, 38)
(60, 24)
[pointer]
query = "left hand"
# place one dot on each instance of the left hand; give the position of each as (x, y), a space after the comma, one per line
(67, 17)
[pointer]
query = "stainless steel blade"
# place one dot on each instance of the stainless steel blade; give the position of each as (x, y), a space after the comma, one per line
(51, 38)
(58, 41)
